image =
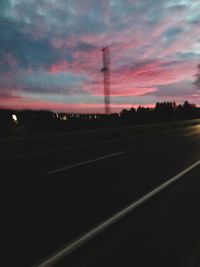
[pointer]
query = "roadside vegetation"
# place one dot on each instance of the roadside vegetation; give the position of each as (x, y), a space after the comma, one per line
(28, 123)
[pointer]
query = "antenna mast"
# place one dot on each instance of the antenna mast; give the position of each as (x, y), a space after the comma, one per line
(106, 78)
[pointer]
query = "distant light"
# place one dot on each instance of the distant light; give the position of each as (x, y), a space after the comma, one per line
(14, 117)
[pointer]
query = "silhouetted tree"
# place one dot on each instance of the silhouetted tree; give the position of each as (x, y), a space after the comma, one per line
(46, 121)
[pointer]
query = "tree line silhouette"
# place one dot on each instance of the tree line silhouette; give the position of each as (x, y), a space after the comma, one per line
(162, 111)
(14, 122)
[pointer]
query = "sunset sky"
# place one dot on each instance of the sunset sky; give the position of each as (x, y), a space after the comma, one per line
(50, 54)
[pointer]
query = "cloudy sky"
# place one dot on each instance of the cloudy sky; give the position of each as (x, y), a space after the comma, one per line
(50, 54)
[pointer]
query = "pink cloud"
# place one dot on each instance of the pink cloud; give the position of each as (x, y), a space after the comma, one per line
(133, 91)
(118, 90)
(126, 77)
(124, 80)
(138, 81)
(61, 43)
(156, 73)
(59, 67)
(86, 61)
(127, 81)
(20, 103)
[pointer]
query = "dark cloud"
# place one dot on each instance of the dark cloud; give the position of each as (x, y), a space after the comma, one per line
(63, 17)
(85, 47)
(4, 94)
(188, 55)
(195, 21)
(181, 89)
(178, 8)
(49, 90)
(171, 34)
(4, 5)
(24, 48)
(42, 43)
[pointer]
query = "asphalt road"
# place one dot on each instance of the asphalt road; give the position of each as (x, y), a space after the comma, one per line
(56, 188)
(162, 232)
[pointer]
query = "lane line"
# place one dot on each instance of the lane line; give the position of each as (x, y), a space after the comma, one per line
(69, 248)
(67, 149)
(85, 163)
(109, 141)
(194, 121)
(194, 133)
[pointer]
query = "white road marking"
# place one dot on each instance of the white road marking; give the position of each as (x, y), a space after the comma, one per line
(109, 141)
(194, 133)
(68, 148)
(68, 249)
(195, 121)
(85, 163)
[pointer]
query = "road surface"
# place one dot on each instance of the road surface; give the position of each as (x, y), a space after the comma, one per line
(56, 188)
(164, 231)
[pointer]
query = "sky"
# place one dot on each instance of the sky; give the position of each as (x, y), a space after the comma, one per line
(51, 58)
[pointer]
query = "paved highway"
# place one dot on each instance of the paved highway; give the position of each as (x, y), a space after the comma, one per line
(56, 188)
(164, 231)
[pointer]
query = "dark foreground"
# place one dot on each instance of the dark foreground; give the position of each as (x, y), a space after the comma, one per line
(162, 232)
(51, 198)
